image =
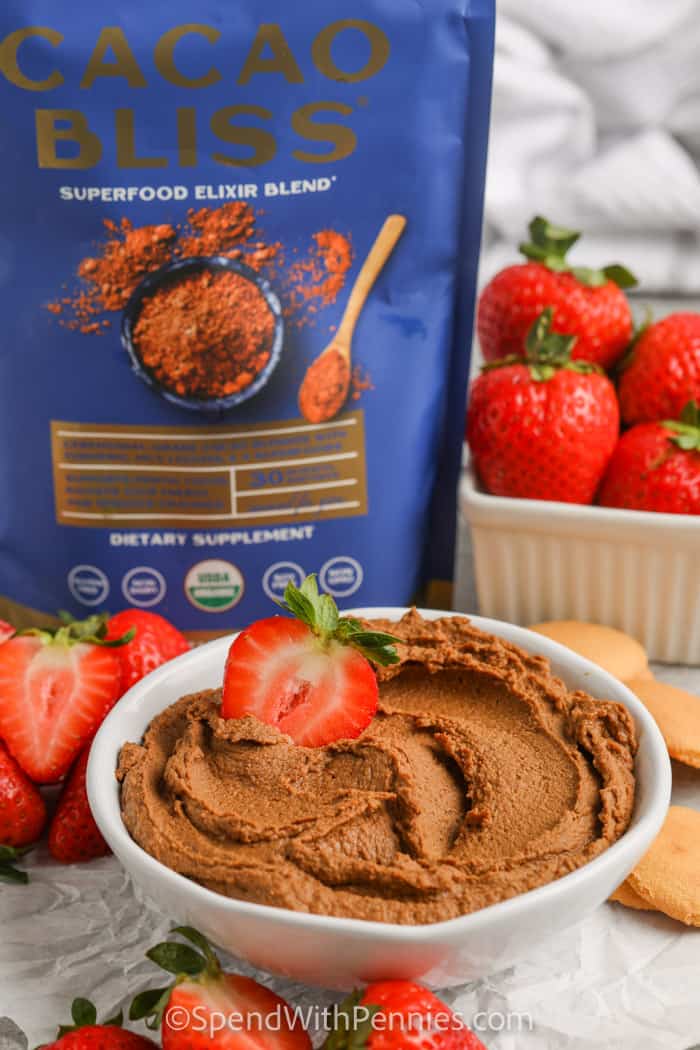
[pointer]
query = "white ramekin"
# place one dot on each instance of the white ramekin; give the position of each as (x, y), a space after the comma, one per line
(345, 953)
(637, 571)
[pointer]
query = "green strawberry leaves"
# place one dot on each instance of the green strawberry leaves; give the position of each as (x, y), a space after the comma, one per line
(686, 431)
(185, 963)
(546, 351)
(149, 1006)
(549, 244)
(320, 613)
(84, 1015)
(177, 959)
(353, 1024)
(8, 872)
(92, 630)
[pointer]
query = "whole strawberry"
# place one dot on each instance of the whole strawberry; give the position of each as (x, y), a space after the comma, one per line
(73, 833)
(206, 1008)
(662, 373)
(155, 641)
(656, 466)
(399, 1015)
(589, 304)
(544, 428)
(22, 809)
(86, 1034)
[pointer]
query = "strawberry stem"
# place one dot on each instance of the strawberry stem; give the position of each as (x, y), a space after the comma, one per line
(320, 613)
(354, 1024)
(686, 431)
(549, 245)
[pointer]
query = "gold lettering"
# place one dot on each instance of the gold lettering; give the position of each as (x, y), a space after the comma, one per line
(124, 64)
(164, 56)
(280, 61)
(343, 138)
(9, 59)
(187, 136)
(322, 47)
(126, 148)
(261, 142)
(78, 132)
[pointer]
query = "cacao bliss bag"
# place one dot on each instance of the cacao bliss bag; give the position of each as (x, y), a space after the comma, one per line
(191, 191)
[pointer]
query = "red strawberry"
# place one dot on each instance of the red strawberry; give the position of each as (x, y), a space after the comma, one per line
(663, 371)
(656, 466)
(73, 833)
(86, 1034)
(155, 642)
(589, 304)
(310, 677)
(402, 1015)
(55, 689)
(544, 429)
(6, 631)
(22, 809)
(208, 1009)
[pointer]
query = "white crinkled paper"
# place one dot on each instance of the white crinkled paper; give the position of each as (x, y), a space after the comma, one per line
(617, 981)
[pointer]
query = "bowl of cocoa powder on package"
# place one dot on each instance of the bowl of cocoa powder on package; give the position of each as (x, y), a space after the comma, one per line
(205, 332)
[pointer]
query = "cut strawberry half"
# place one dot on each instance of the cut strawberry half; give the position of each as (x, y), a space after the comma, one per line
(206, 1008)
(55, 689)
(311, 677)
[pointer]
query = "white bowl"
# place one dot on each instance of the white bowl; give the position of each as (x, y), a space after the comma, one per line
(344, 953)
(539, 560)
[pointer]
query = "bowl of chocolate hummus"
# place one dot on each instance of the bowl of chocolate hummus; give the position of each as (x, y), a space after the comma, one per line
(503, 790)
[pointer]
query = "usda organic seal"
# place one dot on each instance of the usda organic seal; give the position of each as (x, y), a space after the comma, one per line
(214, 585)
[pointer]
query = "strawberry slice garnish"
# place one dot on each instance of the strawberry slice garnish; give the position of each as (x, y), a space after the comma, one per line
(206, 1008)
(56, 686)
(311, 677)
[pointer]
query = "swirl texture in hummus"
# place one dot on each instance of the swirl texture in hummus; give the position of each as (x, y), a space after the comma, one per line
(480, 777)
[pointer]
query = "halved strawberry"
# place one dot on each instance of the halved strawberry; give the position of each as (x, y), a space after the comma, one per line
(311, 677)
(55, 689)
(208, 1009)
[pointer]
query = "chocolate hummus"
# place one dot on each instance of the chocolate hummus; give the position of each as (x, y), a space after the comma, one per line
(479, 778)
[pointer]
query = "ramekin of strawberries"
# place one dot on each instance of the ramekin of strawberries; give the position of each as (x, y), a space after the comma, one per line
(584, 491)
(56, 687)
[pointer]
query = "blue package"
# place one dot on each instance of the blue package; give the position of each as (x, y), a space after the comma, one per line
(191, 191)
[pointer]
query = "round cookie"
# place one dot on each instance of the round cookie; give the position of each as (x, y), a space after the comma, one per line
(677, 714)
(624, 894)
(668, 876)
(616, 652)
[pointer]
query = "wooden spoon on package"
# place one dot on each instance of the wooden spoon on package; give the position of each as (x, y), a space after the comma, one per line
(324, 389)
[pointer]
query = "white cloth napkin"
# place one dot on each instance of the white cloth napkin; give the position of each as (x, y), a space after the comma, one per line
(596, 124)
